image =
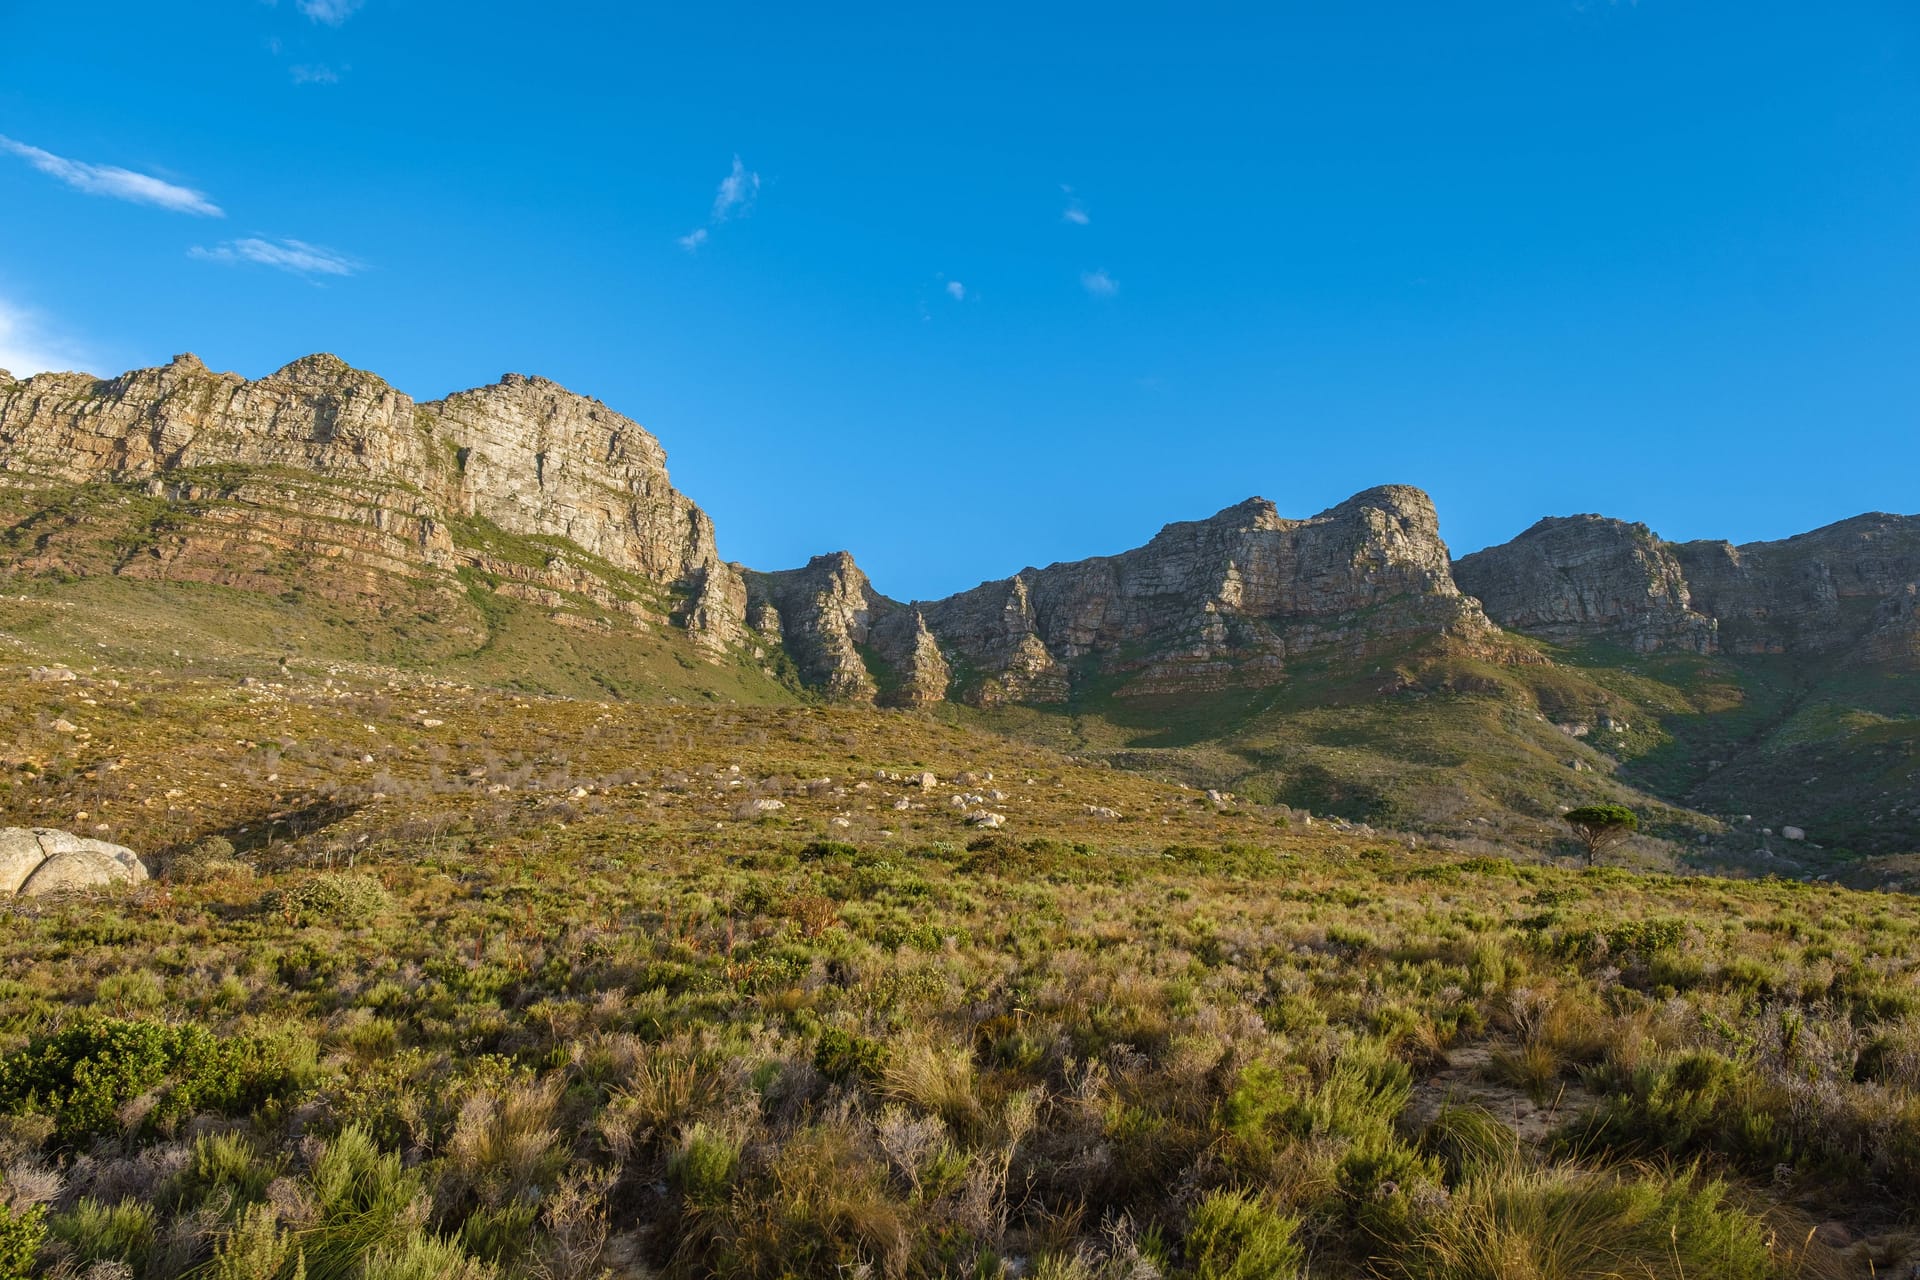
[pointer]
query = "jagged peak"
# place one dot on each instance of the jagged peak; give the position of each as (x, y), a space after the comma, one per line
(1403, 500)
(514, 385)
(323, 368)
(837, 561)
(187, 362)
(1546, 526)
(1255, 509)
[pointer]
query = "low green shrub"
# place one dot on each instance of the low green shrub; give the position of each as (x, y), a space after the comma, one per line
(844, 1056)
(703, 1168)
(1563, 1221)
(1696, 1102)
(209, 859)
(1233, 1236)
(84, 1074)
(21, 1233)
(346, 899)
(93, 1232)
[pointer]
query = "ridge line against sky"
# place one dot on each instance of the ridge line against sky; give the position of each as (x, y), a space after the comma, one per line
(1119, 269)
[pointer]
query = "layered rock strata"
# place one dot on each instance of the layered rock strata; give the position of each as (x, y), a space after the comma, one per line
(1843, 589)
(1225, 602)
(325, 461)
(1572, 577)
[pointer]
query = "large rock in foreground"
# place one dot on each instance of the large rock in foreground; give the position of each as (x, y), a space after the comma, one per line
(39, 860)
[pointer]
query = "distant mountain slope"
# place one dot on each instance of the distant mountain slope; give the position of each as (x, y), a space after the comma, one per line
(1793, 666)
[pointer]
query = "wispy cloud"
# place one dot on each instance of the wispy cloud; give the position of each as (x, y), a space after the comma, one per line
(331, 12)
(114, 182)
(294, 256)
(734, 199)
(738, 190)
(956, 291)
(1099, 283)
(1076, 210)
(29, 344)
(321, 74)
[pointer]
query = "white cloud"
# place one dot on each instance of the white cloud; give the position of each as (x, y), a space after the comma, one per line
(1099, 283)
(734, 198)
(956, 291)
(737, 191)
(28, 345)
(321, 74)
(1076, 211)
(331, 12)
(113, 182)
(295, 256)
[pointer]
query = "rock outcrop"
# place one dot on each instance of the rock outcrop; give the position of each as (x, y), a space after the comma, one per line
(1844, 590)
(1219, 603)
(847, 640)
(1578, 577)
(1820, 592)
(38, 860)
(325, 462)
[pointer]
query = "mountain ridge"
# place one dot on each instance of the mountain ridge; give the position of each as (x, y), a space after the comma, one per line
(523, 533)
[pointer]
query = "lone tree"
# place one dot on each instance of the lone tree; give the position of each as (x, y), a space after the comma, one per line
(1599, 827)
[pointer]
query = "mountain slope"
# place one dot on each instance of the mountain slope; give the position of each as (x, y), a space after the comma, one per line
(1781, 679)
(518, 530)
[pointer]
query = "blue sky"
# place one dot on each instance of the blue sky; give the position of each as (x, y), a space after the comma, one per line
(1007, 284)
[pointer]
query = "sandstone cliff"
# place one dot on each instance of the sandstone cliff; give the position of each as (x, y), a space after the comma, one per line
(1845, 589)
(849, 642)
(1218, 603)
(1572, 577)
(1819, 592)
(326, 463)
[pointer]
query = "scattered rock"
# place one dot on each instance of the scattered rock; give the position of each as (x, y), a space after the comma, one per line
(984, 818)
(1793, 833)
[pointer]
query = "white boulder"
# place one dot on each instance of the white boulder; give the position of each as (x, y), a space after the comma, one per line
(40, 860)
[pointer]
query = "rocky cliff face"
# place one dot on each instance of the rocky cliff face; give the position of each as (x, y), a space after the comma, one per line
(1573, 577)
(325, 460)
(1211, 604)
(1844, 589)
(1217, 603)
(848, 641)
(323, 477)
(1820, 592)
